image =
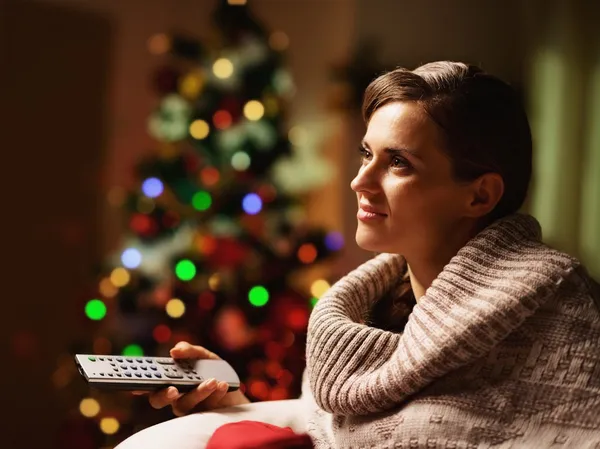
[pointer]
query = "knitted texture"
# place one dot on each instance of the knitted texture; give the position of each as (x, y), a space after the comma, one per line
(502, 351)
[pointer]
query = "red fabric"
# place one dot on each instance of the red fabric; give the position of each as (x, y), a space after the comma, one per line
(257, 435)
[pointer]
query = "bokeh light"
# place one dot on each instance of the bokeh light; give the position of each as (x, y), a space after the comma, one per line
(223, 68)
(131, 258)
(334, 241)
(319, 287)
(107, 288)
(109, 425)
(161, 333)
(201, 201)
(210, 176)
(89, 407)
(152, 187)
(159, 44)
(191, 85)
(133, 350)
(222, 119)
(297, 136)
(307, 253)
(254, 110)
(199, 129)
(120, 277)
(175, 308)
(240, 161)
(185, 270)
(214, 282)
(252, 204)
(258, 296)
(95, 309)
(279, 41)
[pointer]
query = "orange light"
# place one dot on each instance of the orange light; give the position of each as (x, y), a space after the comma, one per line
(307, 253)
(206, 244)
(209, 176)
(222, 119)
(258, 389)
(161, 333)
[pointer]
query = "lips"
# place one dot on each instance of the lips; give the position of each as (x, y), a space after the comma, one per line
(371, 210)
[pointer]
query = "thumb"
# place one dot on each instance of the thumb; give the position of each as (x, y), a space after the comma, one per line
(185, 350)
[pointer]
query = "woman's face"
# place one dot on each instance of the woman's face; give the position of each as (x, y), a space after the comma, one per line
(408, 201)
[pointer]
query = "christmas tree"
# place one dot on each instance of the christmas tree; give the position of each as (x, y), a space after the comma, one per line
(215, 232)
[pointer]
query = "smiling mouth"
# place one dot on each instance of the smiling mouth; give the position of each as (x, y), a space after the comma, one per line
(367, 214)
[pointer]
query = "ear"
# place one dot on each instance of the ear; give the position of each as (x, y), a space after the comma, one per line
(486, 191)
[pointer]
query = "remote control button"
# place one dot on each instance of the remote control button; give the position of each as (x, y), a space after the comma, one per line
(129, 359)
(127, 373)
(149, 361)
(133, 367)
(172, 375)
(116, 369)
(91, 358)
(140, 360)
(199, 378)
(144, 367)
(165, 361)
(101, 359)
(102, 374)
(147, 374)
(113, 364)
(124, 366)
(110, 374)
(157, 375)
(119, 359)
(109, 359)
(153, 367)
(138, 374)
(118, 375)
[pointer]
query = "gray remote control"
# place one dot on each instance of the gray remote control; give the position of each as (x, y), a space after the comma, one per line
(152, 373)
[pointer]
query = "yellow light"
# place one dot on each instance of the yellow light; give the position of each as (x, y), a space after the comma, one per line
(107, 288)
(120, 277)
(223, 68)
(109, 425)
(319, 287)
(175, 308)
(214, 282)
(89, 407)
(254, 110)
(297, 135)
(191, 85)
(145, 205)
(199, 129)
(279, 41)
(159, 44)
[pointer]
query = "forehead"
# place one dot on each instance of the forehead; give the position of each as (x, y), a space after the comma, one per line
(402, 124)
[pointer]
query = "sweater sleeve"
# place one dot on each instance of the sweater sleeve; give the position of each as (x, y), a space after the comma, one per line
(480, 297)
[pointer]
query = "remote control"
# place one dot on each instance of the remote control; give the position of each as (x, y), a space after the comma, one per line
(152, 373)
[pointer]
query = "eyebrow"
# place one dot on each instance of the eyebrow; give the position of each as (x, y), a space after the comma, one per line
(395, 151)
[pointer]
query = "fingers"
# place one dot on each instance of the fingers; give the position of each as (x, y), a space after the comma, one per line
(184, 350)
(164, 397)
(188, 401)
(214, 399)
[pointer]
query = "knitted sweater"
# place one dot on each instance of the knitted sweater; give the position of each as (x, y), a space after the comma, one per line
(502, 351)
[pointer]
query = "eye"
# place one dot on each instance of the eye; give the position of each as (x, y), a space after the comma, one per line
(399, 162)
(365, 155)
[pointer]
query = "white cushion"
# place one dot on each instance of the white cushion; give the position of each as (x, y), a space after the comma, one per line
(193, 431)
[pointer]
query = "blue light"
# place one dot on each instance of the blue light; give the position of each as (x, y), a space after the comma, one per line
(152, 187)
(252, 204)
(334, 241)
(131, 258)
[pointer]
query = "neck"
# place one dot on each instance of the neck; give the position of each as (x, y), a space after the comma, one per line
(424, 269)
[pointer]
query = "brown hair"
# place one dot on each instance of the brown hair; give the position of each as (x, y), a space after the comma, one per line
(482, 118)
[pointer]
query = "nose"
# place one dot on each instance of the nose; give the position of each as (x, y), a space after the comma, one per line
(366, 180)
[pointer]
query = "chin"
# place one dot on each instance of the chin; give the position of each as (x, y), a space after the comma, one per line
(370, 241)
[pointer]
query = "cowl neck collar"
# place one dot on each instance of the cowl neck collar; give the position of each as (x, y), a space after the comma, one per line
(497, 280)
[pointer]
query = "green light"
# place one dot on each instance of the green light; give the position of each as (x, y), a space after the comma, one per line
(313, 301)
(201, 200)
(133, 350)
(258, 296)
(185, 270)
(95, 309)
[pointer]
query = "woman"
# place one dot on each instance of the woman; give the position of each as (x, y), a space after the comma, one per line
(466, 331)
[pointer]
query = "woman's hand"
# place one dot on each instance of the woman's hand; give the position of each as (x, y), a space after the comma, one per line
(209, 395)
